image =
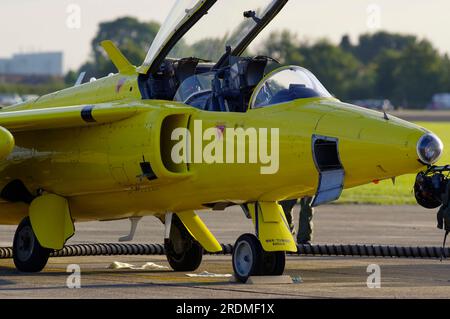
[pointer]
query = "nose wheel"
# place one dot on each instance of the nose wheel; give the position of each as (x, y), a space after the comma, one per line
(249, 259)
(28, 254)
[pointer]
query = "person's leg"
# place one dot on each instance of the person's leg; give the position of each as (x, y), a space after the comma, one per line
(288, 208)
(305, 228)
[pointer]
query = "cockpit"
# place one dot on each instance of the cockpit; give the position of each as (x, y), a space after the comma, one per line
(227, 89)
(233, 83)
(287, 84)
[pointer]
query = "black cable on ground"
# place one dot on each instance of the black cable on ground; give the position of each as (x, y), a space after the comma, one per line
(116, 249)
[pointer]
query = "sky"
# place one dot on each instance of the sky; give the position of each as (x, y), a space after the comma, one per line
(53, 25)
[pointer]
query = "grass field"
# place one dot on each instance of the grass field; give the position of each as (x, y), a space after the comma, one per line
(401, 193)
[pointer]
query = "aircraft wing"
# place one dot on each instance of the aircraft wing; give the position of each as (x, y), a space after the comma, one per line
(60, 117)
(68, 116)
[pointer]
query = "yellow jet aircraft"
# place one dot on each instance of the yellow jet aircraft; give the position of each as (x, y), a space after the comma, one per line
(179, 134)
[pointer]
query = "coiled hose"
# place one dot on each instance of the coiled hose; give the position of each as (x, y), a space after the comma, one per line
(113, 249)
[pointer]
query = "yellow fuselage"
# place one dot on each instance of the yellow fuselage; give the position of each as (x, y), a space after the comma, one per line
(97, 168)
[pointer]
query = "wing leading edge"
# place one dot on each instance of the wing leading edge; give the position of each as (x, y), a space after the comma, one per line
(67, 116)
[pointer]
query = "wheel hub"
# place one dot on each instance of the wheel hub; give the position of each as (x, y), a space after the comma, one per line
(244, 259)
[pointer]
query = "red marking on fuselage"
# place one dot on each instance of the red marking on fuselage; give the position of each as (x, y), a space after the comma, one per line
(220, 130)
(120, 84)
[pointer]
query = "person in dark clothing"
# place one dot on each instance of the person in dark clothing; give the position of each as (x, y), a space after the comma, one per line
(305, 228)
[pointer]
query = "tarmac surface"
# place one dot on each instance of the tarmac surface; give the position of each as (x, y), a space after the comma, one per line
(321, 277)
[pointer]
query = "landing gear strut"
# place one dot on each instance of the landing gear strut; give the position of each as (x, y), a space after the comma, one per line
(28, 254)
(183, 252)
(249, 259)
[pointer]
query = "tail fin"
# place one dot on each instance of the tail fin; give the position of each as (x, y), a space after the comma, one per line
(120, 61)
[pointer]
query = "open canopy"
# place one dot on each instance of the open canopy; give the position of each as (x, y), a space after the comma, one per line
(247, 22)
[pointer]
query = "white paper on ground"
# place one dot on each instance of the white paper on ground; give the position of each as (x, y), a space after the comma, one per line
(146, 266)
(150, 265)
(206, 274)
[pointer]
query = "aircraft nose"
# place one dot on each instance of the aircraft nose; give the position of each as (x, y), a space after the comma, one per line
(429, 148)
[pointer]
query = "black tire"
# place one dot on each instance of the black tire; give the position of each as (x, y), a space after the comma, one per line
(274, 263)
(426, 200)
(28, 254)
(183, 252)
(247, 257)
(425, 193)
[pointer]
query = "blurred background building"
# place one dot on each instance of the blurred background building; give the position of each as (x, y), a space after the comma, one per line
(40, 64)
(23, 76)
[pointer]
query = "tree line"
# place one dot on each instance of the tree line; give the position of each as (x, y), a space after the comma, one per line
(403, 68)
(382, 65)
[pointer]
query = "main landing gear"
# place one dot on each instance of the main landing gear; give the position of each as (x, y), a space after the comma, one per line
(28, 254)
(249, 259)
(183, 252)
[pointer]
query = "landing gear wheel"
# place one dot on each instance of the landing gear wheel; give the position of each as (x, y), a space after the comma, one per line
(274, 263)
(183, 252)
(28, 254)
(247, 257)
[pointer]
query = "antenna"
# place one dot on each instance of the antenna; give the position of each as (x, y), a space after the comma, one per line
(80, 78)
